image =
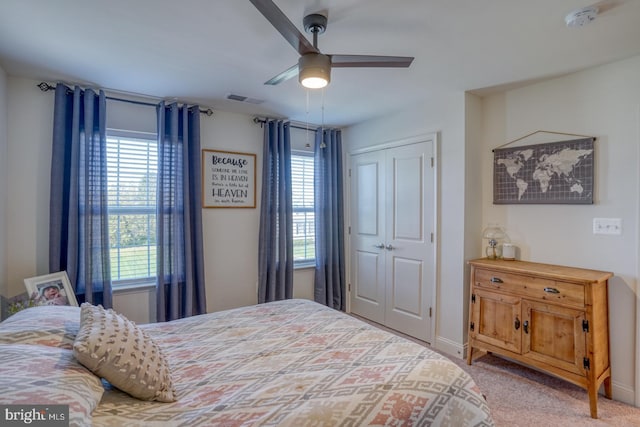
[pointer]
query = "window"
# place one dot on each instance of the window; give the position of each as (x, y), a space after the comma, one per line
(132, 160)
(302, 165)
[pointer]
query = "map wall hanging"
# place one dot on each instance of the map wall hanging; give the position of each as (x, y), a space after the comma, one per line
(549, 173)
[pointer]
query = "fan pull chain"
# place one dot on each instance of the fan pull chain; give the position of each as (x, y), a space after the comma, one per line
(307, 145)
(322, 144)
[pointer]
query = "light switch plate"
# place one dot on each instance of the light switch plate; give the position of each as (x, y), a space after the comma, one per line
(607, 226)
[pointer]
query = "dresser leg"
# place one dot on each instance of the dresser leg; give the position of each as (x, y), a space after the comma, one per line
(469, 355)
(608, 392)
(593, 401)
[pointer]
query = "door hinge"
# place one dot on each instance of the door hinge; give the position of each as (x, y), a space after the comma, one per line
(349, 287)
(349, 232)
(585, 325)
(431, 237)
(472, 326)
(473, 298)
(586, 363)
(430, 311)
(349, 173)
(432, 162)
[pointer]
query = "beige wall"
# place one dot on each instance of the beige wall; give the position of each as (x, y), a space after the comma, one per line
(30, 115)
(230, 235)
(4, 179)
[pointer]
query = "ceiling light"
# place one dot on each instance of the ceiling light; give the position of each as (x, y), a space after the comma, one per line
(581, 17)
(314, 70)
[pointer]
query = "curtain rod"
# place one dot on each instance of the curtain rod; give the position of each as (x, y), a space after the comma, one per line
(45, 87)
(262, 121)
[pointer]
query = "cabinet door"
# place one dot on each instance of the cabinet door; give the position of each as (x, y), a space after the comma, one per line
(497, 320)
(553, 335)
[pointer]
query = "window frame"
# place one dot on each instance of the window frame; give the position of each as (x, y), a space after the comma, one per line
(306, 262)
(142, 210)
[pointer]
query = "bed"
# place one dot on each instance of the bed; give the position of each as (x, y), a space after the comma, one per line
(286, 363)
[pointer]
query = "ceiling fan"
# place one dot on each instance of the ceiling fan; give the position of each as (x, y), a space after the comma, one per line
(314, 67)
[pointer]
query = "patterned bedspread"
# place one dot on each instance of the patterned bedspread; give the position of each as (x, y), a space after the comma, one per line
(298, 363)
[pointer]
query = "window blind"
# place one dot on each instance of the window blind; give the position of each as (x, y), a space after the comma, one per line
(132, 178)
(302, 191)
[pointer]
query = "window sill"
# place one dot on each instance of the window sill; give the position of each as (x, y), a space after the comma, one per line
(133, 287)
(305, 266)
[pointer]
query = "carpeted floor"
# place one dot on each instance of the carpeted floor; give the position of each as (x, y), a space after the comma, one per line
(521, 397)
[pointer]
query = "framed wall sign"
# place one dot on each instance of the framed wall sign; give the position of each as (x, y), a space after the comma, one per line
(228, 179)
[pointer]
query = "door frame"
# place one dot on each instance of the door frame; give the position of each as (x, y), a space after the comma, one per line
(434, 138)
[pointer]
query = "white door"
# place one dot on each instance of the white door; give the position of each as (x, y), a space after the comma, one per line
(368, 236)
(409, 223)
(392, 207)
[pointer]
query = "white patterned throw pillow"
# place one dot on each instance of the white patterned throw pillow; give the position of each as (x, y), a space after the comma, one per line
(44, 375)
(114, 348)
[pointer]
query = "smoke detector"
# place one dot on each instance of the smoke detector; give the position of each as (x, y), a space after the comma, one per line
(581, 17)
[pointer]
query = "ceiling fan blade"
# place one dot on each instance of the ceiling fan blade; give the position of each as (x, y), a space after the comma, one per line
(281, 23)
(285, 75)
(606, 5)
(370, 61)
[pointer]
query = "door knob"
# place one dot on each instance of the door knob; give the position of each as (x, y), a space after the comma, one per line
(390, 248)
(379, 246)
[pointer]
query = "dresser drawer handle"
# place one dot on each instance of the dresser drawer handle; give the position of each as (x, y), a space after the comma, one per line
(496, 280)
(551, 290)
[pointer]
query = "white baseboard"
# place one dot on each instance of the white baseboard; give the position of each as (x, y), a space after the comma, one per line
(450, 347)
(623, 393)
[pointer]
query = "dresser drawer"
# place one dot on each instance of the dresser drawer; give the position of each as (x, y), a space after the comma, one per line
(531, 287)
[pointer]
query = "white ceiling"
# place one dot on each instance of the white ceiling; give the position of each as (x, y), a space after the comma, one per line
(203, 50)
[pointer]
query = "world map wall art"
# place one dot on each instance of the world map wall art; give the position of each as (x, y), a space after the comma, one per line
(550, 173)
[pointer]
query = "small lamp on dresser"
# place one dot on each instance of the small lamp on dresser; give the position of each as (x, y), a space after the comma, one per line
(495, 236)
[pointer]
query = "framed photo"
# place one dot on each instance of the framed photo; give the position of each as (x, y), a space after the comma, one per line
(51, 289)
(228, 179)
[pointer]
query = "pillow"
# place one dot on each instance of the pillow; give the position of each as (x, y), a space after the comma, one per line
(50, 325)
(115, 349)
(42, 375)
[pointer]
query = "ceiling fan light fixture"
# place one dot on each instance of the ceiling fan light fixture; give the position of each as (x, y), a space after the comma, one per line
(314, 70)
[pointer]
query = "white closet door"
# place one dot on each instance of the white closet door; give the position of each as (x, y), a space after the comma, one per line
(409, 220)
(392, 264)
(368, 236)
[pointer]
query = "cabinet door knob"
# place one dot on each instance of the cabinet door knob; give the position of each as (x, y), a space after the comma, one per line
(551, 290)
(517, 324)
(496, 280)
(525, 326)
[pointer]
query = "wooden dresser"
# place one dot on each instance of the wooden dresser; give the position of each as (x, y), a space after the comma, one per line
(550, 317)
